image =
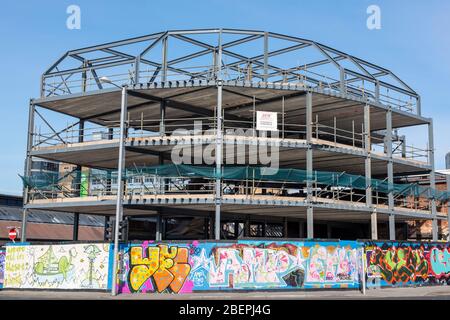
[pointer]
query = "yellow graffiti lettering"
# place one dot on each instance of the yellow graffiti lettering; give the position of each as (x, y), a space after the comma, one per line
(168, 266)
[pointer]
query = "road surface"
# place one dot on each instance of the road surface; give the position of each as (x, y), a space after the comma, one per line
(420, 293)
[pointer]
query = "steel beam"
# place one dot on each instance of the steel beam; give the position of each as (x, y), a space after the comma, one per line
(115, 44)
(251, 35)
(209, 50)
(154, 43)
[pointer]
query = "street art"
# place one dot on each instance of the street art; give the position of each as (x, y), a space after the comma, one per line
(243, 265)
(180, 267)
(168, 267)
(2, 267)
(408, 263)
(70, 266)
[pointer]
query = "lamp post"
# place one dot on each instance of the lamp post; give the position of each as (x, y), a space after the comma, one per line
(108, 81)
(120, 180)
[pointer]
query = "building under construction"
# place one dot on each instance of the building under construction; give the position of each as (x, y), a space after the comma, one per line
(279, 136)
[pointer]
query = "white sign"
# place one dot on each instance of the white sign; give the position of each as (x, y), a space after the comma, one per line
(266, 121)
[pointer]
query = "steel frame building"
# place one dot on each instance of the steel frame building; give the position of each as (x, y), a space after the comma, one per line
(338, 113)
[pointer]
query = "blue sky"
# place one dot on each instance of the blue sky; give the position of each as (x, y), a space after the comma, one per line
(413, 42)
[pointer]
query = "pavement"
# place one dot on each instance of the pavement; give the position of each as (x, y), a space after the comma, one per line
(406, 293)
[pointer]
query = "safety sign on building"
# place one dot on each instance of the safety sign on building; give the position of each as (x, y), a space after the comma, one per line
(266, 121)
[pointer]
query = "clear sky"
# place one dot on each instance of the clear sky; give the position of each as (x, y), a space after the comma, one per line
(413, 42)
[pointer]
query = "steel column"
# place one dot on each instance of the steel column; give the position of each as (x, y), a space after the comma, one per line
(301, 231)
(162, 114)
(76, 223)
(377, 91)
(81, 131)
(309, 168)
(390, 172)
(158, 236)
(247, 226)
(266, 57)
(368, 172)
(79, 168)
(120, 184)
(285, 227)
(448, 206)
(84, 78)
(432, 179)
(42, 87)
(27, 168)
(164, 59)
(211, 227)
(105, 228)
(342, 80)
(418, 106)
(162, 132)
(108, 174)
(136, 69)
(219, 142)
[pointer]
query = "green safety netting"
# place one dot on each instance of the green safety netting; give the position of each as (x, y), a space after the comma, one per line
(262, 174)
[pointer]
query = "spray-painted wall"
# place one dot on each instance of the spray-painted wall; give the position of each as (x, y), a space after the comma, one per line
(181, 267)
(67, 266)
(407, 263)
(177, 267)
(2, 266)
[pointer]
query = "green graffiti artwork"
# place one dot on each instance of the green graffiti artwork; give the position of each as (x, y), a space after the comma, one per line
(49, 265)
(64, 266)
(91, 280)
(58, 266)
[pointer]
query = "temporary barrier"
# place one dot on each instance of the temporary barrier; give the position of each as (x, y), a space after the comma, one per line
(198, 266)
(2, 266)
(58, 266)
(407, 263)
(241, 265)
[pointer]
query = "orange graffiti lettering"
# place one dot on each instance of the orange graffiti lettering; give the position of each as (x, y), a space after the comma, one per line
(168, 267)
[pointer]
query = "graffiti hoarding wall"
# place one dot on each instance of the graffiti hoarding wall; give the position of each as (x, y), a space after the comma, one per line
(2, 267)
(407, 263)
(68, 266)
(244, 265)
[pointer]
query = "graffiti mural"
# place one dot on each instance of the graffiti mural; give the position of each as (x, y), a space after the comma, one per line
(70, 266)
(2, 267)
(407, 263)
(168, 267)
(180, 267)
(177, 267)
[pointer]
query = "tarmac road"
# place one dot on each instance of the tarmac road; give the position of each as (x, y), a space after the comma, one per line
(419, 293)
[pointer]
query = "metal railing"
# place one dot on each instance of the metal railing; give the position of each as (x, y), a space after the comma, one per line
(201, 126)
(58, 85)
(249, 188)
